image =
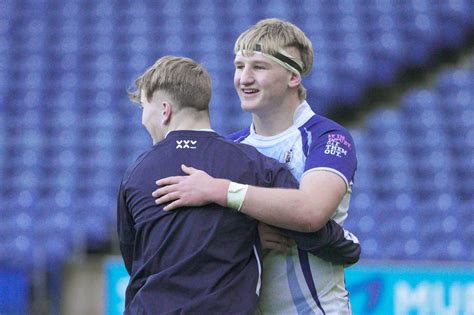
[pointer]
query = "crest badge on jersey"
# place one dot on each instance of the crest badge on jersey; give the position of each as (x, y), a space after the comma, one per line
(186, 144)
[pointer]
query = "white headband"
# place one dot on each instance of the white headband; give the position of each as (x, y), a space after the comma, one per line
(284, 64)
(284, 59)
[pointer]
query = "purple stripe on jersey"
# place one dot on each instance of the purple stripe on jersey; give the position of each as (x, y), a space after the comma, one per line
(299, 301)
(349, 308)
(304, 261)
(304, 140)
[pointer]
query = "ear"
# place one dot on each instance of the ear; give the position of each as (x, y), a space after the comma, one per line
(295, 80)
(166, 113)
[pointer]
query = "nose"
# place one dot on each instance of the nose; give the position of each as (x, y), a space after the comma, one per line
(246, 76)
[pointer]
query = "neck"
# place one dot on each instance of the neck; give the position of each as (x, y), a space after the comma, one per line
(276, 120)
(190, 120)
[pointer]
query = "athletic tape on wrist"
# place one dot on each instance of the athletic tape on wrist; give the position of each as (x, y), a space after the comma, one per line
(236, 195)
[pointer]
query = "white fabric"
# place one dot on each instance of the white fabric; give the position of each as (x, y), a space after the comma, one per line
(284, 289)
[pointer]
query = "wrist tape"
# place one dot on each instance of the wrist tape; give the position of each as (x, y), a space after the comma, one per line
(236, 195)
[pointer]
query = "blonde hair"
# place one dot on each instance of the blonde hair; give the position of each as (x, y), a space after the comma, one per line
(186, 81)
(272, 35)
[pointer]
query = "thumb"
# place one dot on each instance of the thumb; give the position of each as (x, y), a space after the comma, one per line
(187, 169)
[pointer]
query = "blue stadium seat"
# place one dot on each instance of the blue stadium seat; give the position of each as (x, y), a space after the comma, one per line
(372, 248)
(454, 79)
(16, 233)
(418, 100)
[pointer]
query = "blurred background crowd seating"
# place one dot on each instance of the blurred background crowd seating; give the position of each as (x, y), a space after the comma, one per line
(68, 130)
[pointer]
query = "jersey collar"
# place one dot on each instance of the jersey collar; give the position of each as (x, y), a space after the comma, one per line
(205, 129)
(302, 114)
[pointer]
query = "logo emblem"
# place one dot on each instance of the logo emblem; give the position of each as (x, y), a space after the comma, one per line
(186, 144)
(288, 156)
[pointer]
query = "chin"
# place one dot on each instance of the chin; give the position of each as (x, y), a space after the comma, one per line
(249, 106)
(255, 107)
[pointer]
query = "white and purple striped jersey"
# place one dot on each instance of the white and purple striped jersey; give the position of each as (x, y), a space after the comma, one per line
(299, 282)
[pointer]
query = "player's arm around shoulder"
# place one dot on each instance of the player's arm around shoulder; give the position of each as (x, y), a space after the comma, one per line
(306, 209)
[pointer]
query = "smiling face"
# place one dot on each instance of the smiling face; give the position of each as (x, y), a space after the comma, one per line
(260, 82)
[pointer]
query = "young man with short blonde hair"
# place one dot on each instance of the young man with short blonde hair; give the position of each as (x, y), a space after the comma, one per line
(270, 59)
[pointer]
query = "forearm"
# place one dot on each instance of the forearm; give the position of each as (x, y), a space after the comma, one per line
(291, 209)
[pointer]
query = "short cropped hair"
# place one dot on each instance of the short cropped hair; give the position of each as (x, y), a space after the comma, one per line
(186, 81)
(275, 34)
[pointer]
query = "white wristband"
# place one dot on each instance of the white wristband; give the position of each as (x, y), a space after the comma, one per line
(236, 195)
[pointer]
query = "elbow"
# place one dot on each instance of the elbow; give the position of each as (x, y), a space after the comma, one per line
(356, 257)
(314, 219)
(312, 216)
(312, 223)
(352, 257)
(312, 226)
